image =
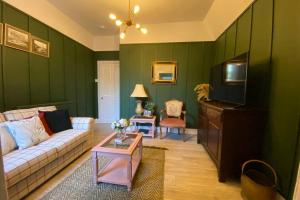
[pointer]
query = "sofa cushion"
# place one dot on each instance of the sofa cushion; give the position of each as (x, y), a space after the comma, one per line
(27, 132)
(19, 114)
(58, 120)
(66, 140)
(8, 143)
(43, 120)
(2, 118)
(21, 163)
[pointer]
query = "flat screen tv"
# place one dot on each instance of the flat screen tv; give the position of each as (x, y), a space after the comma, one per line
(228, 81)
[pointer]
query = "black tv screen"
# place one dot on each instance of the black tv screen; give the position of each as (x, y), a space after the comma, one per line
(228, 81)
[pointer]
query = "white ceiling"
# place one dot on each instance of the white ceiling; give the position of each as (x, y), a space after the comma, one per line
(93, 14)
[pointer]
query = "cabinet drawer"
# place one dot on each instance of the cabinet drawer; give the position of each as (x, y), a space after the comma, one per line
(214, 116)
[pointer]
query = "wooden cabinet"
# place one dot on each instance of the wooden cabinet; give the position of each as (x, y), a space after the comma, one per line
(230, 135)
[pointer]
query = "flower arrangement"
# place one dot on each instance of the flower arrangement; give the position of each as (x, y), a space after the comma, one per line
(120, 124)
(202, 91)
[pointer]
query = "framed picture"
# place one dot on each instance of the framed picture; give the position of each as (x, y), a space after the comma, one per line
(40, 47)
(1, 33)
(16, 38)
(164, 72)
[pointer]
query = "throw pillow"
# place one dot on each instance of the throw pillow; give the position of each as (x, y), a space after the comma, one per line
(8, 143)
(58, 120)
(43, 120)
(27, 132)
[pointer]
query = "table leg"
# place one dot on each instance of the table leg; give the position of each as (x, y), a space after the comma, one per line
(129, 175)
(95, 167)
(153, 129)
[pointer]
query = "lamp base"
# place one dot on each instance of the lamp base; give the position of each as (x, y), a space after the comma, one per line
(139, 109)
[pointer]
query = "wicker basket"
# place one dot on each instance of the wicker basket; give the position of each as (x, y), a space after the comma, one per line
(258, 181)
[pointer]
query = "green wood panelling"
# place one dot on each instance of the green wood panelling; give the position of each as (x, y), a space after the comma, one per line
(81, 82)
(136, 61)
(31, 79)
(220, 49)
(39, 68)
(56, 66)
(230, 42)
(260, 52)
(107, 55)
(243, 32)
(15, 64)
(285, 96)
(70, 74)
(1, 75)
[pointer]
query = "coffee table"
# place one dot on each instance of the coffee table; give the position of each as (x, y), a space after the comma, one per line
(125, 159)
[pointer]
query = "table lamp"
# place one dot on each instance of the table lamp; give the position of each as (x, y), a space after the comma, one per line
(139, 92)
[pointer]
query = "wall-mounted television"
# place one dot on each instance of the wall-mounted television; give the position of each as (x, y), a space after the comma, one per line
(228, 81)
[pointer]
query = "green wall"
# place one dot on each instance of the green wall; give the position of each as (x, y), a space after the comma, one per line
(193, 59)
(28, 79)
(270, 32)
(107, 55)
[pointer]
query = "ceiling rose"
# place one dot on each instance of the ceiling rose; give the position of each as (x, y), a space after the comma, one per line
(130, 21)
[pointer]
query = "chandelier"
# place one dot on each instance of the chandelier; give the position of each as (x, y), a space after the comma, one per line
(125, 24)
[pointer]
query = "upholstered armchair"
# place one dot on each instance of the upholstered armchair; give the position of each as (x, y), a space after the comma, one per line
(173, 116)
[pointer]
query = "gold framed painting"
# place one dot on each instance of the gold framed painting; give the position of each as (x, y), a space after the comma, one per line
(1, 33)
(16, 38)
(164, 72)
(40, 47)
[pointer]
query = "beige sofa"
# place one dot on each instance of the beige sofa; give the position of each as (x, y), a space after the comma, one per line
(26, 169)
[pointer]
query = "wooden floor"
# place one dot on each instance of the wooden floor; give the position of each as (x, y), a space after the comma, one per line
(189, 172)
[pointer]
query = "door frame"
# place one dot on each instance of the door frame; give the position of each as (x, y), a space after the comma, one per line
(117, 88)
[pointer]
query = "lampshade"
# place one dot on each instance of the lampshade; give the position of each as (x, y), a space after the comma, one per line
(139, 91)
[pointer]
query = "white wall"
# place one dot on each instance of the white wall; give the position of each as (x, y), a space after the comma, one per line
(50, 15)
(169, 32)
(223, 13)
(106, 43)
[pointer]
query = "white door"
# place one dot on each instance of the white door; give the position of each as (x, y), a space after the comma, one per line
(108, 91)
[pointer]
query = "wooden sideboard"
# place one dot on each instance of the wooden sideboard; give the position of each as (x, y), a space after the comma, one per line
(231, 135)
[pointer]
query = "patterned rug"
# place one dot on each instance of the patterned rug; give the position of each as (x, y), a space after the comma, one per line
(148, 182)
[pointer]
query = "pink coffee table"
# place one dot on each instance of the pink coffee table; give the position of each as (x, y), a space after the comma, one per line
(125, 160)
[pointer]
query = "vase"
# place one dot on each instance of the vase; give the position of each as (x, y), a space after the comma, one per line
(121, 133)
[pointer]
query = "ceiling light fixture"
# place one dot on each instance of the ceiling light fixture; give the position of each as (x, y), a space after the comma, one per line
(125, 24)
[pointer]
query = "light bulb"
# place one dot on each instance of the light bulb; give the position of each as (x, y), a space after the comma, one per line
(144, 30)
(119, 22)
(136, 9)
(137, 26)
(112, 16)
(122, 35)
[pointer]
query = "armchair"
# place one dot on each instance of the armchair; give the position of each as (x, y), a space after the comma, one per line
(173, 116)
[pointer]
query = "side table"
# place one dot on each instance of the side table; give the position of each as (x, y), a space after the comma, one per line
(137, 120)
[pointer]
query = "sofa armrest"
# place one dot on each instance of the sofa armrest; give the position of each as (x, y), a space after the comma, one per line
(83, 123)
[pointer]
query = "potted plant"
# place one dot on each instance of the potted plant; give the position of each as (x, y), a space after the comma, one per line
(202, 91)
(149, 108)
(120, 127)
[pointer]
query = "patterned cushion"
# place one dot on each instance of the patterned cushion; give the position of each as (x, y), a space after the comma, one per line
(172, 122)
(8, 143)
(174, 108)
(2, 118)
(47, 108)
(21, 163)
(66, 140)
(19, 114)
(82, 123)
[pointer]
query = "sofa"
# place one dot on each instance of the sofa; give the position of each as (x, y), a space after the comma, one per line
(26, 169)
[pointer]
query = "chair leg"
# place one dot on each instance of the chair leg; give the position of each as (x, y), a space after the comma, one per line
(160, 132)
(183, 133)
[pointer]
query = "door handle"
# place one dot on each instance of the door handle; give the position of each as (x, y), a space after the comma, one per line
(101, 98)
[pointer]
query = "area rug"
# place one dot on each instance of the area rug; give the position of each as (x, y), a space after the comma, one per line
(148, 182)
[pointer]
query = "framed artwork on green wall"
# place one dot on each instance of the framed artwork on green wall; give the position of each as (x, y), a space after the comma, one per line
(40, 47)
(1, 33)
(16, 38)
(164, 72)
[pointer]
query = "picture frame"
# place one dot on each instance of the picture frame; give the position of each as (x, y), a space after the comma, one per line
(40, 47)
(17, 38)
(164, 72)
(1, 33)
